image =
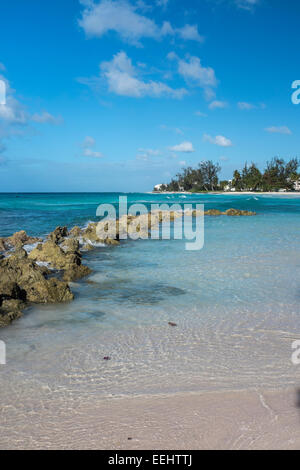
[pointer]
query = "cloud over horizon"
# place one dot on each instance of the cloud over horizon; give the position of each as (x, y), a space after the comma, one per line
(219, 140)
(184, 147)
(278, 130)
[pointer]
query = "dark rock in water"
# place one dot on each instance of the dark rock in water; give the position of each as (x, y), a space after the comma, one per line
(10, 310)
(172, 323)
(213, 212)
(75, 272)
(237, 212)
(59, 234)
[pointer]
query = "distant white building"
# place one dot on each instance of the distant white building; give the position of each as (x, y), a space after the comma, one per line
(297, 185)
(229, 187)
(158, 187)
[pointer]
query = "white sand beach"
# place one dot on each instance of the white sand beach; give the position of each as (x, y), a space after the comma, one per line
(231, 420)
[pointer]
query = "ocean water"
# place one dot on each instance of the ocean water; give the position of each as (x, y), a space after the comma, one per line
(236, 304)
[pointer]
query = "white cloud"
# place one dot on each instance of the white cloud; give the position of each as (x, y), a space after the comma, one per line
(122, 79)
(182, 162)
(185, 147)
(193, 72)
(123, 18)
(279, 130)
(162, 3)
(247, 4)
(92, 153)
(218, 140)
(46, 117)
(199, 113)
(177, 130)
(190, 32)
(89, 141)
(218, 104)
(12, 112)
(245, 106)
(120, 16)
(145, 154)
(88, 151)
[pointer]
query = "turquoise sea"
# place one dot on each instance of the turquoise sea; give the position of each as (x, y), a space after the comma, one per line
(236, 303)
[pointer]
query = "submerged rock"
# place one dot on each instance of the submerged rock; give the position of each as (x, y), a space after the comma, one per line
(10, 310)
(237, 212)
(213, 212)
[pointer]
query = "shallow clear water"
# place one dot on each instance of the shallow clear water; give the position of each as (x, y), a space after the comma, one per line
(236, 303)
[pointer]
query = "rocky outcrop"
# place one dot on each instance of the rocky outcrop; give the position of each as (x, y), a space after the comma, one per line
(65, 257)
(237, 212)
(23, 281)
(75, 232)
(17, 240)
(3, 246)
(58, 235)
(214, 212)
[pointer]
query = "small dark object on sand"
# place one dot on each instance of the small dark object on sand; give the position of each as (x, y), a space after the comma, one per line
(129, 438)
(106, 358)
(172, 323)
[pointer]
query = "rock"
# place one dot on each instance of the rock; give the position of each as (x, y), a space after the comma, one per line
(75, 272)
(70, 245)
(20, 239)
(3, 246)
(58, 235)
(213, 212)
(50, 290)
(10, 310)
(111, 241)
(69, 261)
(11, 290)
(88, 247)
(23, 280)
(49, 252)
(75, 232)
(237, 212)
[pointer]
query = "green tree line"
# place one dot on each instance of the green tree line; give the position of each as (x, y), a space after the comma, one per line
(278, 174)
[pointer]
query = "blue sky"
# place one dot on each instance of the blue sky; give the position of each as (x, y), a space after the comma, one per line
(119, 95)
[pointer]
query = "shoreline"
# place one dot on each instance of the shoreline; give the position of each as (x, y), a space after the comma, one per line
(260, 419)
(229, 193)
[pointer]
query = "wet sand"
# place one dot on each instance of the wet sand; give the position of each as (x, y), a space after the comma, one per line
(218, 420)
